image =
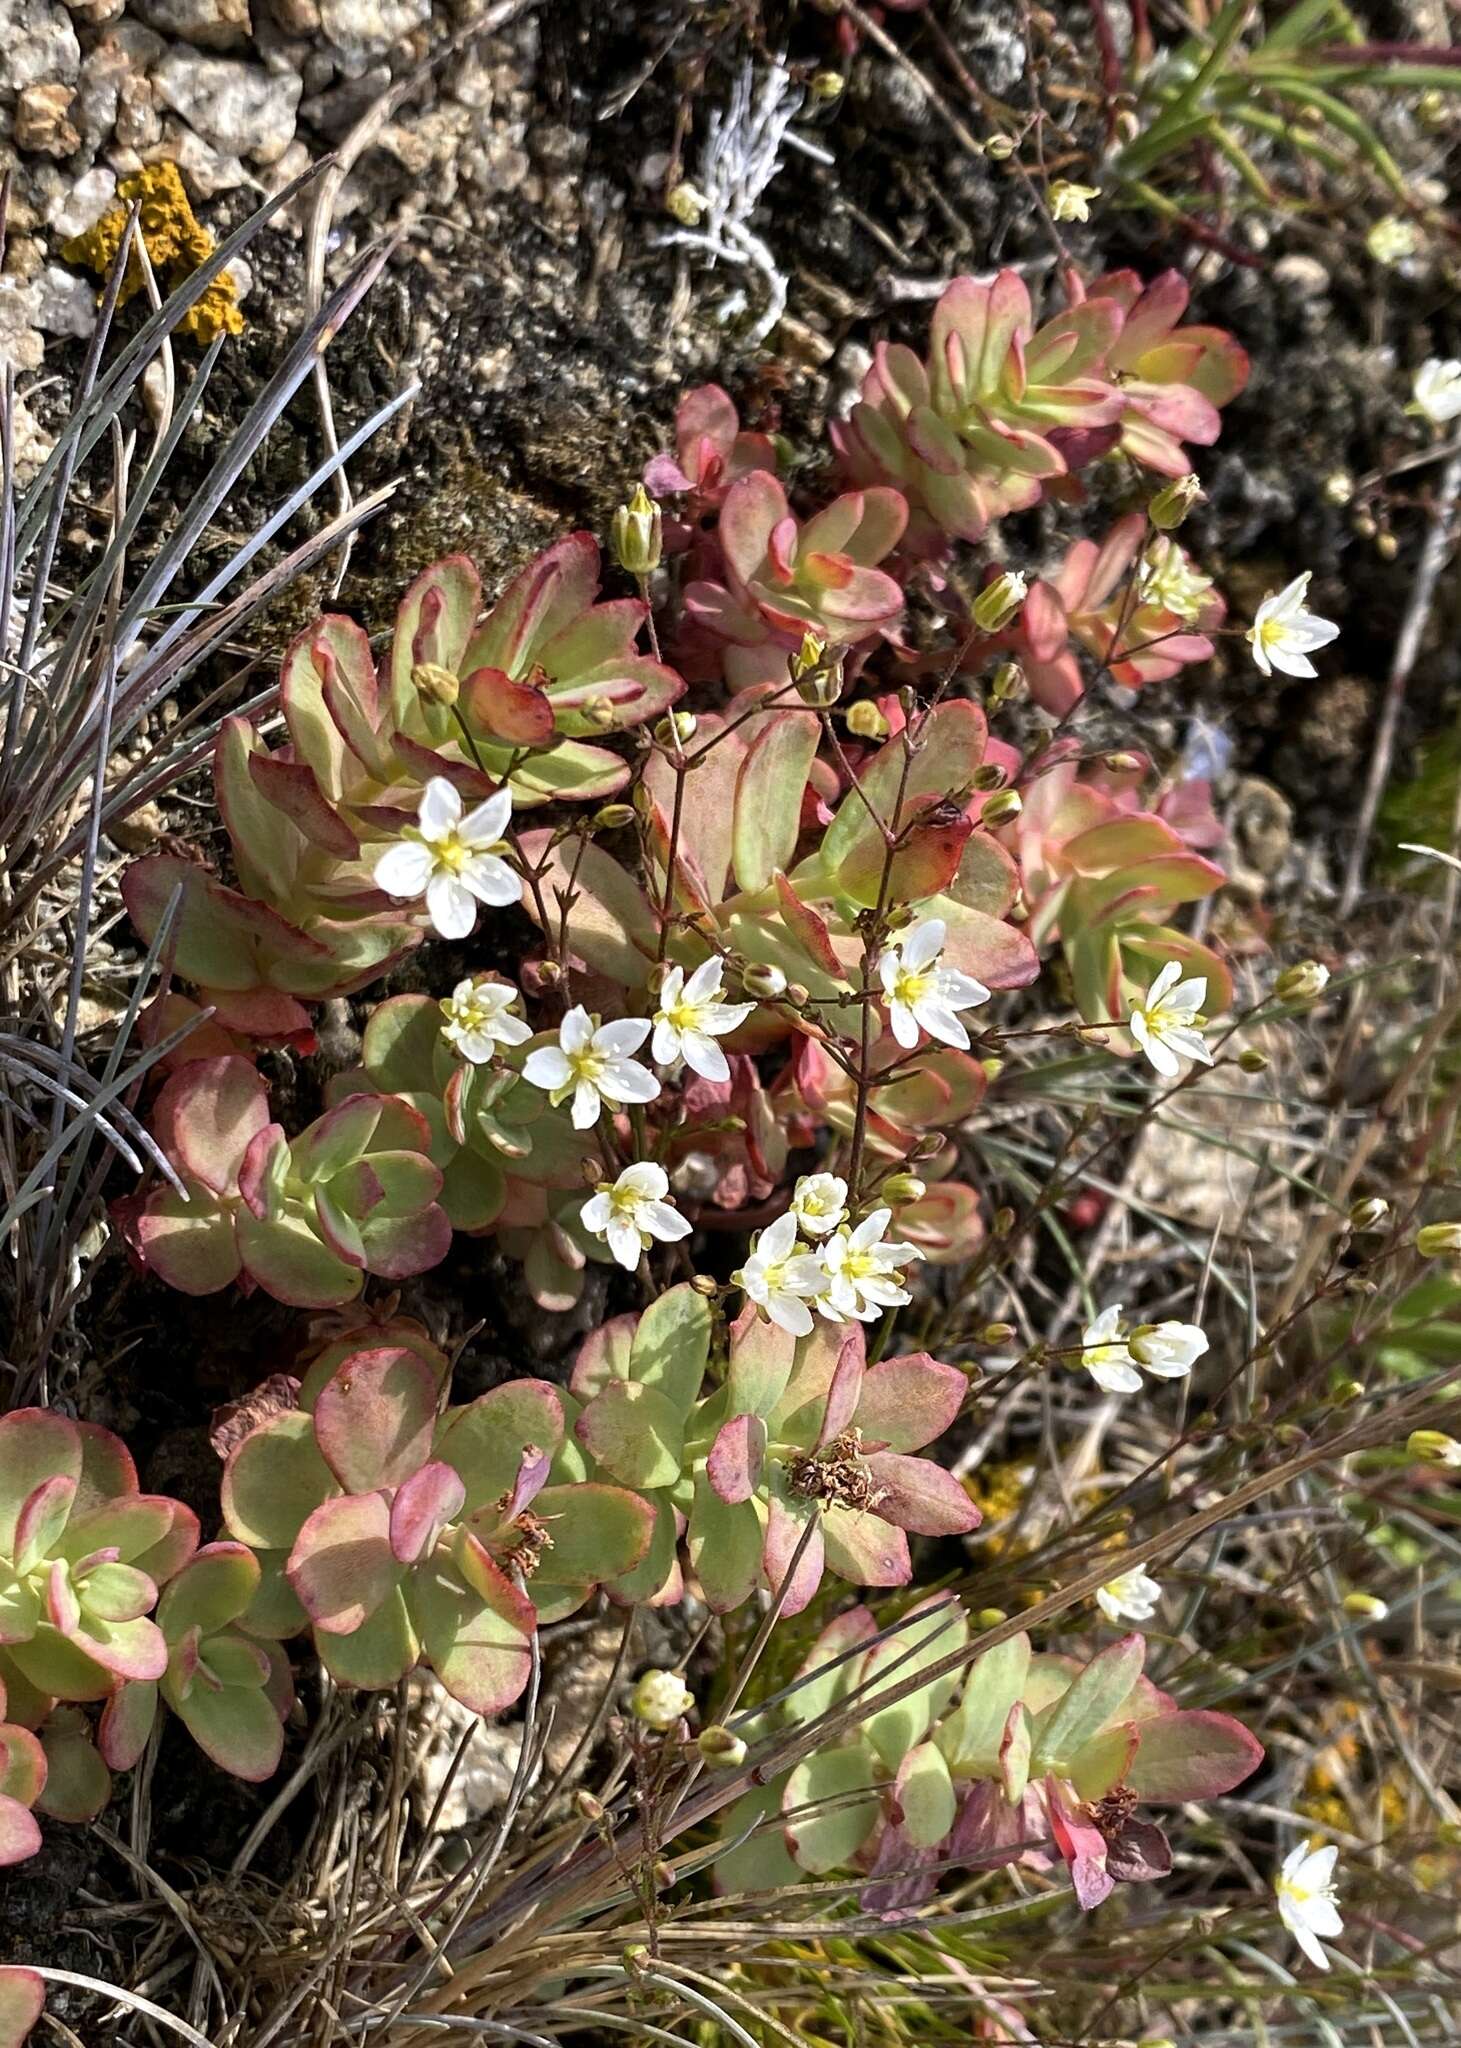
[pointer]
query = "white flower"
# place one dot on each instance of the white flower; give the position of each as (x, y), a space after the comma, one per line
(1115, 1356)
(632, 1212)
(1105, 1356)
(1391, 240)
(819, 1203)
(1307, 1903)
(1130, 1596)
(691, 1017)
(920, 993)
(1437, 390)
(1167, 578)
(592, 1064)
(479, 1018)
(451, 860)
(1072, 202)
(861, 1271)
(660, 1699)
(1164, 1023)
(1168, 1351)
(1283, 635)
(781, 1276)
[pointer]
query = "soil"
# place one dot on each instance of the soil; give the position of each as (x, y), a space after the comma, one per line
(551, 335)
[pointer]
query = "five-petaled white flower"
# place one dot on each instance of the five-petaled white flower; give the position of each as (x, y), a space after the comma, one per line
(1115, 1356)
(1072, 202)
(1308, 1904)
(1437, 390)
(1283, 634)
(1164, 1023)
(922, 995)
(631, 1212)
(451, 860)
(862, 1271)
(819, 1203)
(1130, 1596)
(592, 1064)
(781, 1276)
(479, 1017)
(691, 1017)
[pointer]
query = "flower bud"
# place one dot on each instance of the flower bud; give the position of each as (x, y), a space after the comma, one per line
(1170, 507)
(900, 1188)
(436, 684)
(1003, 1222)
(998, 601)
(1387, 547)
(763, 981)
(1008, 683)
(989, 775)
(1301, 983)
(798, 995)
(613, 817)
(1339, 487)
(993, 1067)
(865, 721)
(990, 1617)
(1347, 1393)
(587, 1807)
(996, 1334)
(1124, 763)
(636, 533)
(600, 713)
(826, 85)
(1252, 1061)
(1368, 1214)
(685, 203)
(660, 1699)
(820, 688)
(999, 148)
(1000, 809)
(720, 1748)
(1365, 1606)
(1434, 1447)
(675, 729)
(1438, 1240)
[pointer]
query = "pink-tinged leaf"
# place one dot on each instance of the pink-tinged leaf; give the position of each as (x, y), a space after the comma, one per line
(603, 1356)
(532, 1477)
(555, 588)
(341, 1566)
(768, 796)
(19, 1838)
(845, 1391)
(327, 671)
(267, 846)
(808, 928)
(1103, 1762)
(1087, 1705)
(610, 923)
(923, 1793)
(786, 1522)
(830, 1807)
(336, 1139)
(423, 1506)
(513, 712)
(126, 1723)
(921, 1496)
(78, 1783)
(1139, 1853)
(35, 1446)
(908, 1401)
(273, 1481)
(41, 1522)
(210, 1592)
(290, 1263)
(434, 624)
(290, 787)
(220, 939)
(206, 1116)
(1193, 1754)
(107, 1470)
(599, 1532)
(476, 1638)
(375, 1418)
(1014, 1754)
(865, 1550)
(22, 1992)
(725, 1544)
(1081, 1845)
(672, 1345)
(760, 1364)
(485, 1441)
(734, 1465)
(998, 954)
(116, 1593)
(130, 1649)
(381, 1651)
(23, 1764)
(828, 1672)
(989, 1831)
(952, 741)
(903, 1876)
(635, 1432)
(237, 1728)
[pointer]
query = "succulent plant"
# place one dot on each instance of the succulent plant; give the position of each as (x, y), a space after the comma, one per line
(800, 1430)
(1037, 1758)
(1147, 640)
(22, 1782)
(22, 2001)
(784, 579)
(711, 452)
(976, 432)
(399, 1533)
(305, 1218)
(1173, 379)
(82, 1554)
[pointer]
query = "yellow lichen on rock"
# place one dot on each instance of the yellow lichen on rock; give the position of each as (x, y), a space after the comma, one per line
(176, 243)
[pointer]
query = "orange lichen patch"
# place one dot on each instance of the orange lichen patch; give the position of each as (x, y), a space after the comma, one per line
(176, 243)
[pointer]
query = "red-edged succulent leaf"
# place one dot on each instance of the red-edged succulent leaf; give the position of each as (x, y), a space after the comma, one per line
(760, 1364)
(78, 1783)
(485, 1441)
(475, 1634)
(768, 796)
(424, 1505)
(830, 1807)
(41, 1522)
(786, 1521)
(864, 1549)
(635, 1432)
(1081, 1845)
(921, 1496)
(923, 1793)
(1088, 1703)
(597, 1532)
(342, 1567)
(22, 1764)
(498, 705)
(908, 1401)
(126, 1722)
(206, 1116)
(610, 923)
(672, 1345)
(1191, 1754)
(734, 1464)
(374, 1420)
(288, 1261)
(274, 1481)
(210, 1592)
(22, 1992)
(236, 1726)
(434, 624)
